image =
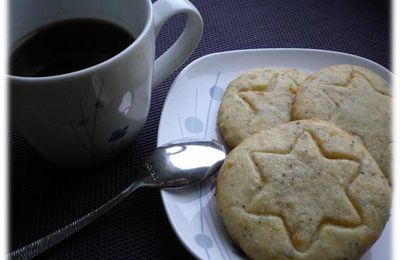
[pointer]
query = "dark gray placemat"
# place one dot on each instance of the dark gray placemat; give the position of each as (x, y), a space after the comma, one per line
(44, 197)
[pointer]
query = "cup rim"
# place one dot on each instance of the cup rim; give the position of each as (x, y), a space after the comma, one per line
(98, 65)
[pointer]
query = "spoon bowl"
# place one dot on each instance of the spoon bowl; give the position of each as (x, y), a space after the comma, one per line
(183, 164)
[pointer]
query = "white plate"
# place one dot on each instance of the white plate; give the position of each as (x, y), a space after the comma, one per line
(190, 111)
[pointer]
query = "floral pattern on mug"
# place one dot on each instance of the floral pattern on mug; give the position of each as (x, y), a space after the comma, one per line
(118, 134)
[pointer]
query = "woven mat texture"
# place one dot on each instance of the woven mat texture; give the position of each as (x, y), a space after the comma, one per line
(44, 197)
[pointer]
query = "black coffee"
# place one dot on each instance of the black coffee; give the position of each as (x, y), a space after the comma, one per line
(68, 46)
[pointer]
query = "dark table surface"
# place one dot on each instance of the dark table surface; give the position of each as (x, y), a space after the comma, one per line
(44, 198)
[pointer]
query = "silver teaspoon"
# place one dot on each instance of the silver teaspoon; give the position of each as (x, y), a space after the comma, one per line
(169, 166)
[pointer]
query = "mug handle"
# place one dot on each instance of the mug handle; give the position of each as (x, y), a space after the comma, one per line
(172, 58)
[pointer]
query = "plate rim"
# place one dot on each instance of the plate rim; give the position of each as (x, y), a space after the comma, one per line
(163, 193)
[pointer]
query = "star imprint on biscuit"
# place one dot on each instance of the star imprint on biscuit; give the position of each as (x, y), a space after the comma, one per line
(306, 189)
(347, 97)
(273, 98)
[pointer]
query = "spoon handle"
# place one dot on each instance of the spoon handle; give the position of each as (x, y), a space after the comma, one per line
(39, 246)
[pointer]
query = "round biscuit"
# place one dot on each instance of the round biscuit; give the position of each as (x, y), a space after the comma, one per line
(256, 100)
(303, 190)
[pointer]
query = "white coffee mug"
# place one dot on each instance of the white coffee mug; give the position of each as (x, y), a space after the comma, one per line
(84, 118)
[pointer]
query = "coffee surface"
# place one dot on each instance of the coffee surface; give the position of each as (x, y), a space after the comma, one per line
(68, 46)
